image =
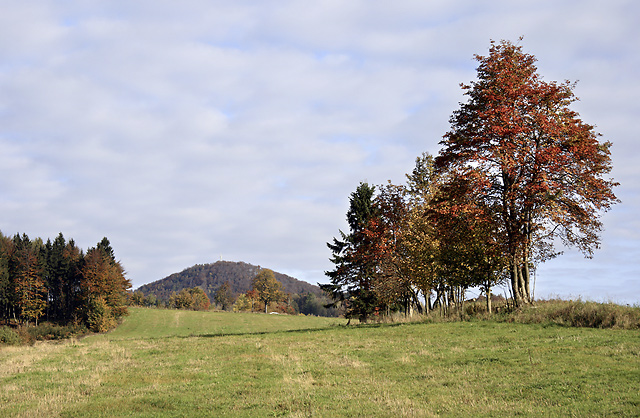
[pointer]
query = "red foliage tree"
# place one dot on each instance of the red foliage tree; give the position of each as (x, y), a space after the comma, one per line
(385, 232)
(529, 158)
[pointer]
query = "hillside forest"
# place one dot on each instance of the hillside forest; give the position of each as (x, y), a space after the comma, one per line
(518, 174)
(231, 286)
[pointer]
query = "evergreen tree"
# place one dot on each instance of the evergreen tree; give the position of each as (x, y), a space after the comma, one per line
(73, 259)
(7, 291)
(352, 280)
(56, 273)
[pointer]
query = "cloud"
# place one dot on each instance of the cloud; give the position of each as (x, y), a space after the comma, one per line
(187, 132)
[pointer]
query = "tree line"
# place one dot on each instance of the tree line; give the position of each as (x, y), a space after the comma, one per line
(518, 173)
(58, 282)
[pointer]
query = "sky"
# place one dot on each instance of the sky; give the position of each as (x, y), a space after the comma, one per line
(193, 131)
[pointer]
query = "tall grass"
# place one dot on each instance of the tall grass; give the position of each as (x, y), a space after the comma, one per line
(559, 312)
(576, 313)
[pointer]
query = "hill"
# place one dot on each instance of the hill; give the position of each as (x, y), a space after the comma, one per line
(209, 277)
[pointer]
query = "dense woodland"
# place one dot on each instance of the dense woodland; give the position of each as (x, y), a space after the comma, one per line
(58, 282)
(518, 173)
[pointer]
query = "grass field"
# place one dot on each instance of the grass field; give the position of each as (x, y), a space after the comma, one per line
(163, 363)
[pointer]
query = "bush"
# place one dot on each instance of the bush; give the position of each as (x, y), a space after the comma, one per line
(100, 318)
(578, 314)
(48, 331)
(9, 336)
(193, 299)
(556, 312)
(28, 335)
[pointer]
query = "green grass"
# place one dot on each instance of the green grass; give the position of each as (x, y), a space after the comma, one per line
(162, 363)
(163, 323)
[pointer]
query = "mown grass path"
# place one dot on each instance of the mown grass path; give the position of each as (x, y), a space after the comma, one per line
(189, 364)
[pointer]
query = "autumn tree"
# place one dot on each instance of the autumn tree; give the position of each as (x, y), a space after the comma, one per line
(253, 298)
(469, 251)
(30, 288)
(56, 281)
(355, 265)
(224, 296)
(242, 303)
(194, 299)
(420, 240)
(530, 158)
(200, 299)
(385, 233)
(180, 300)
(103, 287)
(267, 287)
(136, 298)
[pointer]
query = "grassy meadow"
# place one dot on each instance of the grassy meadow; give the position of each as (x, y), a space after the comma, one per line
(165, 363)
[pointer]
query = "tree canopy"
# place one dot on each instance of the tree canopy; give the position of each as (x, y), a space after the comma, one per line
(531, 163)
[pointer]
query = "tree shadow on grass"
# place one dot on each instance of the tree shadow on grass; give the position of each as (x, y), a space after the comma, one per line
(299, 330)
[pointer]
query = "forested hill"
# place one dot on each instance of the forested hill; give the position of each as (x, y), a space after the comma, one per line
(209, 277)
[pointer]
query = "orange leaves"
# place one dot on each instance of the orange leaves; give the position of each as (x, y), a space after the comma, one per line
(525, 156)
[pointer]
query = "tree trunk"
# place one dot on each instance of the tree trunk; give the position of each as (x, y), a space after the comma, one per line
(522, 279)
(526, 280)
(515, 282)
(487, 292)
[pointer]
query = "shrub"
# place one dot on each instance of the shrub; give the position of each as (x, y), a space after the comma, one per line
(242, 304)
(28, 335)
(194, 299)
(577, 314)
(100, 317)
(48, 331)
(9, 336)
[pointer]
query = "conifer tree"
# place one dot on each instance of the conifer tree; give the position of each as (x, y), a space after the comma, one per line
(352, 280)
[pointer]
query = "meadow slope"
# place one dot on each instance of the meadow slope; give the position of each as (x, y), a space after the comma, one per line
(163, 363)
